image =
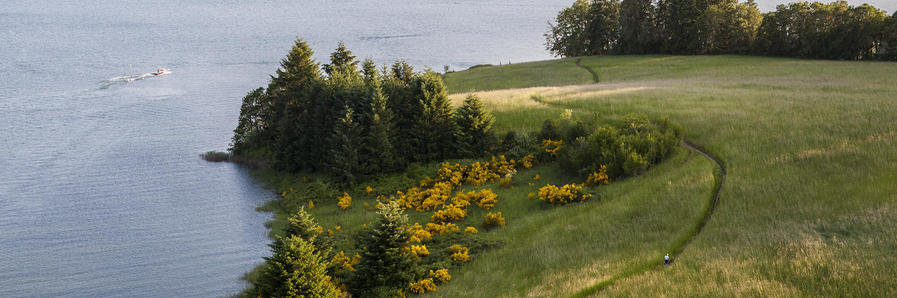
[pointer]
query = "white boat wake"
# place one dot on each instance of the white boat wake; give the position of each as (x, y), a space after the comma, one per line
(127, 79)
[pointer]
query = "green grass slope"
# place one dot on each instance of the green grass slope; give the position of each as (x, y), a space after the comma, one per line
(808, 208)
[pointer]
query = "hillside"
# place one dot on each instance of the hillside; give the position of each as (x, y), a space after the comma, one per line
(807, 208)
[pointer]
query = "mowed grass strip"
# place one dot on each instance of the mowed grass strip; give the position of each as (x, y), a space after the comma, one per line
(811, 193)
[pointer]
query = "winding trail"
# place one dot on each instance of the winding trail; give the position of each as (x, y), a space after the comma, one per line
(717, 189)
(589, 69)
(682, 243)
(684, 240)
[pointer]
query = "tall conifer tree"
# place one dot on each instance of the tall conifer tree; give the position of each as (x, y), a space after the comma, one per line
(385, 267)
(474, 127)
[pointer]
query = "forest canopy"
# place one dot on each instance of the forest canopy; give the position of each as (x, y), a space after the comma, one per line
(816, 30)
(355, 122)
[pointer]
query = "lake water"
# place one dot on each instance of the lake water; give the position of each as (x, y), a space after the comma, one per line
(102, 192)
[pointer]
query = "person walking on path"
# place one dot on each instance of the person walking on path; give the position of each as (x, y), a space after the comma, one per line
(666, 260)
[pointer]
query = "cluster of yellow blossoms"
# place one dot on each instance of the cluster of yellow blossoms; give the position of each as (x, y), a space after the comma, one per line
(470, 230)
(562, 195)
(344, 201)
(598, 178)
(442, 228)
(343, 262)
(418, 250)
(493, 220)
(449, 213)
(442, 275)
(426, 199)
(423, 286)
(552, 147)
(460, 254)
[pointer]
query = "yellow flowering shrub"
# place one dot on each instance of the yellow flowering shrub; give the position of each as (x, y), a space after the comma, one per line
(470, 230)
(368, 189)
(343, 262)
(461, 199)
(527, 161)
(480, 173)
(344, 201)
(418, 233)
(502, 166)
(311, 205)
(449, 213)
(418, 250)
(562, 195)
(460, 254)
(552, 147)
(441, 229)
(423, 286)
(598, 178)
(493, 220)
(451, 173)
(536, 178)
(441, 275)
(485, 198)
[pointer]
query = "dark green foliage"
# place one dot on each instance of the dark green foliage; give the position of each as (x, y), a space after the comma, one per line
(377, 152)
(295, 269)
(680, 25)
(435, 128)
(351, 123)
(603, 27)
(638, 34)
(345, 157)
(889, 39)
(729, 27)
(474, 127)
(834, 30)
(384, 268)
(550, 131)
(253, 121)
(627, 148)
(829, 31)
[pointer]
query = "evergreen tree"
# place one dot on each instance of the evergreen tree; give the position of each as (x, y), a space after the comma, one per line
(637, 31)
(296, 71)
(377, 152)
(384, 267)
(474, 127)
(436, 126)
(303, 225)
(344, 156)
(295, 269)
(292, 92)
(406, 109)
(341, 57)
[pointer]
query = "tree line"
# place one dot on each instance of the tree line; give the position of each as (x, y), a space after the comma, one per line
(354, 123)
(801, 29)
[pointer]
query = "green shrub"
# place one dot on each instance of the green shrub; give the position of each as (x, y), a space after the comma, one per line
(627, 148)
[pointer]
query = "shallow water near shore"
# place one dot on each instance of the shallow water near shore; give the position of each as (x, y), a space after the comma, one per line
(102, 191)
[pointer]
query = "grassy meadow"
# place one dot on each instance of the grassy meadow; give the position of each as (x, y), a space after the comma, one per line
(808, 208)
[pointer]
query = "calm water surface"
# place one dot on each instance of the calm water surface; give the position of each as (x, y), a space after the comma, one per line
(102, 192)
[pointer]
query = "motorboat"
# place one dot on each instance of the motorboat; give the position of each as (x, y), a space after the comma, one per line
(162, 71)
